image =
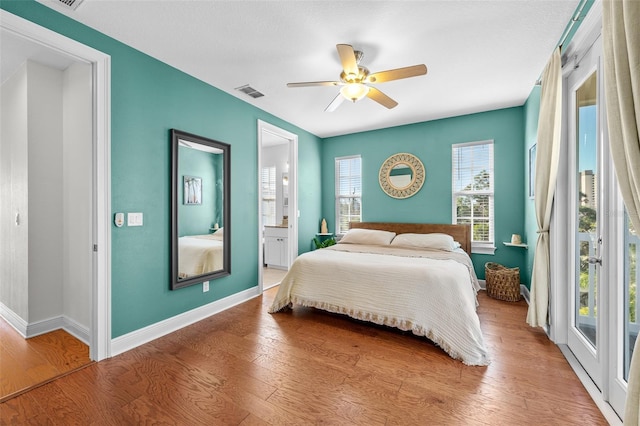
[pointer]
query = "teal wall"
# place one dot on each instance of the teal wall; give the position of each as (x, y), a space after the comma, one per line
(530, 236)
(196, 219)
(143, 110)
(431, 142)
(531, 116)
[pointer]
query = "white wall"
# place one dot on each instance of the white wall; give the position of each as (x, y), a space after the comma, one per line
(13, 193)
(77, 186)
(277, 156)
(45, 191)
(46, 169)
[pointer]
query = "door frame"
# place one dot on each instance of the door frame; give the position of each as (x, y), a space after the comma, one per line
(100, 316)
(612, 389)
(264, 127)
(594, 360)
(587, 34)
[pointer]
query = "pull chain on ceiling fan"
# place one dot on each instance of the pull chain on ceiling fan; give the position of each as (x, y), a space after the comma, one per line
(355, 79)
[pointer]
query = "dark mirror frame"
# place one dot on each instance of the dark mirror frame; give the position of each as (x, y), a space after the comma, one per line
(176, 136)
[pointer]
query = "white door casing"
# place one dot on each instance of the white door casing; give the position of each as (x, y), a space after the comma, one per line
(100, 327)
(602, 368)
(264, 131)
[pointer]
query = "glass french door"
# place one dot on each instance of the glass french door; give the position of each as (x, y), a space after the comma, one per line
(626, 305)
(585, 337)
(631, 302)
(603, 304)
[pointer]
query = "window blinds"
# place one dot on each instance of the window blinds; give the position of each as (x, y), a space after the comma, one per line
(472, 182)
(348, 192)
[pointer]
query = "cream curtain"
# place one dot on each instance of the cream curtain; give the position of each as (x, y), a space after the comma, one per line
(547, 157)
(621, 43)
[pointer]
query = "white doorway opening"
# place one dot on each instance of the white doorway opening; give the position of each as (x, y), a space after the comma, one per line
(53, 44)
(277, 199)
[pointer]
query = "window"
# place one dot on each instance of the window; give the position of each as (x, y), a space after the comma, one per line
(348, 192)
(268, 180)
(472, 181)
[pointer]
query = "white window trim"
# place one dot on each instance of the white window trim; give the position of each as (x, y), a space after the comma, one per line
(483, 248)
(477, 247)
(336, 196)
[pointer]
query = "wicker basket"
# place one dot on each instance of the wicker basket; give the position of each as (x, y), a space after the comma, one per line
(502, 283)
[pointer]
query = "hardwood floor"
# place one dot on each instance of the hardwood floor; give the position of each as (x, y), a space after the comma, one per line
(247, 367)
(25, 363)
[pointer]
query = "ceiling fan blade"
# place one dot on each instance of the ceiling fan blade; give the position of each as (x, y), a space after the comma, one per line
(381, 98)
(348, 59)
(335, 103)
(397, 74)
(314, 83)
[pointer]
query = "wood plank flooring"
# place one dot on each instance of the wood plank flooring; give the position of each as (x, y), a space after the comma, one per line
(25, 363)
(245, 366)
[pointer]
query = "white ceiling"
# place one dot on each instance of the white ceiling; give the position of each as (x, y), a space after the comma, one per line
(481, 54)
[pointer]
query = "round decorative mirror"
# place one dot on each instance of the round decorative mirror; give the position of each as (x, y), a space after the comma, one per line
(401, 175)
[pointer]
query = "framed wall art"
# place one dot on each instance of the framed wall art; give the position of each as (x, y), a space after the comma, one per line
(192, 190)
(532, 170)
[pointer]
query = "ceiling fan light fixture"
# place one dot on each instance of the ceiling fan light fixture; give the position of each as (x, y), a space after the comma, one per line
(354, 91)
(354, 76)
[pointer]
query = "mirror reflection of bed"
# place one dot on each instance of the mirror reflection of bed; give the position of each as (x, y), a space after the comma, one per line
(200, 254)
(200, 209)
(200, 243)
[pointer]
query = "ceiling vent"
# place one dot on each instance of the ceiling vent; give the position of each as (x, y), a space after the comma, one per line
(71, 4)
(246, 89)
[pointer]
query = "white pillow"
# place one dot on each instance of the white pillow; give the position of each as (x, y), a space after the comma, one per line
(428, 241)
(368, 236)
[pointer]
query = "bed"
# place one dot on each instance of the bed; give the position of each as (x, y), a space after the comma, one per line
(200, 254)
(414, 277)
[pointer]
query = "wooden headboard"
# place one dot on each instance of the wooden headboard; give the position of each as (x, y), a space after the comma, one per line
(460, 233)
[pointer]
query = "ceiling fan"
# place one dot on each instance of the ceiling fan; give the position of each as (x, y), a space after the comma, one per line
(355, 79)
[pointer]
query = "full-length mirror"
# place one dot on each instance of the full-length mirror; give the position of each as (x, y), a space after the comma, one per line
(200, 204)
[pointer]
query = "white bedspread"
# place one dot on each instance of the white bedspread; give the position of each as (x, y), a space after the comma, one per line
(199, 254)
(430, 292)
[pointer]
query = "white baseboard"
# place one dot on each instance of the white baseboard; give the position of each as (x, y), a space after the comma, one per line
(62, 322)
(45, 326)
(28, 330)
(14, 320)
(135, 338)
(139, 337)
(267, 287)
(524, 291)
(77, 330)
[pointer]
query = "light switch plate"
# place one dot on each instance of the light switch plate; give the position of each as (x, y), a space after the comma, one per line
(134, 219)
